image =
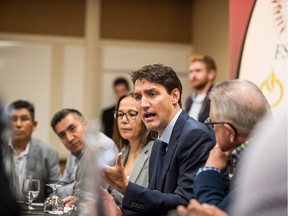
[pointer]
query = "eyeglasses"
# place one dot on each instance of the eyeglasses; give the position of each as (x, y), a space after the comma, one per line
(130, 115)
(211, 124)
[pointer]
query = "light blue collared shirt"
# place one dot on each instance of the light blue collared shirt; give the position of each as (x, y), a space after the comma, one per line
(165, 137)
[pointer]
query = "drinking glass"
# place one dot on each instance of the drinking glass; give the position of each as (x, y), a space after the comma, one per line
(53, 205)
(31, 189)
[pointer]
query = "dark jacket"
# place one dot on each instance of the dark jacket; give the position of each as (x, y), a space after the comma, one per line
(188, 149)
(205, 109)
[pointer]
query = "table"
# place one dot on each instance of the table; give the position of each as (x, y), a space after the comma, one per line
(38, 211)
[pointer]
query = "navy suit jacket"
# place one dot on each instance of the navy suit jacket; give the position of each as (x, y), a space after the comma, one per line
(210, 187)
(188, 150)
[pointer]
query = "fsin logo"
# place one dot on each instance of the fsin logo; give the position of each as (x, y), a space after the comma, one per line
(273, 90)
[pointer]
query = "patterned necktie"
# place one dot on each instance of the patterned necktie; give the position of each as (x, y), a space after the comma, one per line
(162, 153)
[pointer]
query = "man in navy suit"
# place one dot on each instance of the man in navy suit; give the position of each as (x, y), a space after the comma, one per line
(236, 107)
(157, 90)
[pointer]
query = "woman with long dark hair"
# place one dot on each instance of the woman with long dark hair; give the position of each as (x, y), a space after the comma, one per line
(134, 140)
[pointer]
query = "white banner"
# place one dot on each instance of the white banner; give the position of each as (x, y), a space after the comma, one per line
(264, 58)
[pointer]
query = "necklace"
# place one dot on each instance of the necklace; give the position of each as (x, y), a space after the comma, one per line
(134, 155)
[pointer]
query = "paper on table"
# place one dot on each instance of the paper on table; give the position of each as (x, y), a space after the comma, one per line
(37, 204)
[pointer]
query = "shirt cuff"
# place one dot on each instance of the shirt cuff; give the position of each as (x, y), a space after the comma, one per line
(202, 169)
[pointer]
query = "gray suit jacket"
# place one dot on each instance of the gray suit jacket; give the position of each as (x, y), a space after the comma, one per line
(42, 164)
(139, 174)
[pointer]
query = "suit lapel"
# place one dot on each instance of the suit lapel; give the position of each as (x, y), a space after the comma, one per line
(204, 112)
(153, 165)
(125, 153)
(173, 143)
(142, 158)
(34, 153)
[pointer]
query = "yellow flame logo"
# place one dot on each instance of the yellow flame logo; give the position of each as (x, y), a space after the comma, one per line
(271, 84)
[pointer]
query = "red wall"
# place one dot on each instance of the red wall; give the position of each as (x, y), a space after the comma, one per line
(239, 14)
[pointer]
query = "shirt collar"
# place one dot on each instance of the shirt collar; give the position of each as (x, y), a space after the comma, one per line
(199, 97)
(79, 156)
(165, 137)
(25, 152)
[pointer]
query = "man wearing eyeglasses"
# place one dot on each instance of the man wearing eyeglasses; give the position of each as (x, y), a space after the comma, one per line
(236, 107)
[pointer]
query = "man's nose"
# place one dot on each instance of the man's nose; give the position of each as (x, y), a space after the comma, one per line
(144, 102)
(18, 122)
(69, 136)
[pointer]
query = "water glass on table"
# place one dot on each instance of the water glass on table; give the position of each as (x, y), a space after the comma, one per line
(53, 205)
(31, 190)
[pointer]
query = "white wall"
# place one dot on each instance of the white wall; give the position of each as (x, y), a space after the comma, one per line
(73, 76)
(25, 74)
(51, 74)
(120, 58)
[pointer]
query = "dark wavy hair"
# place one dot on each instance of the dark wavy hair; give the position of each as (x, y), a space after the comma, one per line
(19, 104)
(160, 74)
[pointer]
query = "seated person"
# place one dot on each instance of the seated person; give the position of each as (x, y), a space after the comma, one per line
(236, 107)
(134, 141)
(181, 149)
(71, 128)
(28, 157)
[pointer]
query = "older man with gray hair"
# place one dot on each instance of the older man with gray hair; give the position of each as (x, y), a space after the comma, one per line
(236, 107)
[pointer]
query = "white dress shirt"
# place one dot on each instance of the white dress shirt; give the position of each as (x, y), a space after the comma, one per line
(19, 168)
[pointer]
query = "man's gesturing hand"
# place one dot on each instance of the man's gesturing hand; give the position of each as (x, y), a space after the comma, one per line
(115, 176)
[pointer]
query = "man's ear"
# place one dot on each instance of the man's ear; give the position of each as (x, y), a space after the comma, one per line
(35, 123)
(231, 132)
(211, 74)
(85, 123)
(175, 96)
